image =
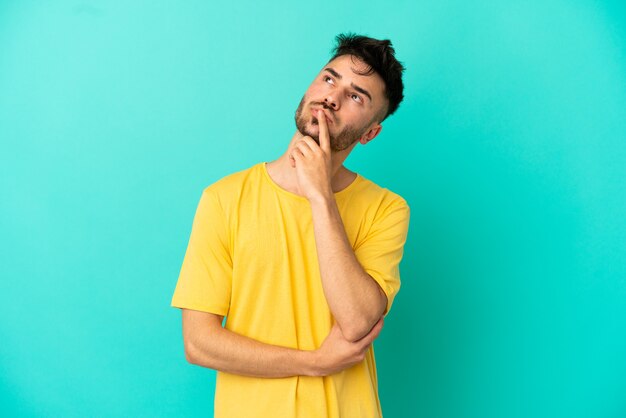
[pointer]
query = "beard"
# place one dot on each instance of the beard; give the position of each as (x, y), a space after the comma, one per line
(338, 142)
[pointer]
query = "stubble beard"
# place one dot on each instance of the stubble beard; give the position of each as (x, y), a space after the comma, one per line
(338, 142)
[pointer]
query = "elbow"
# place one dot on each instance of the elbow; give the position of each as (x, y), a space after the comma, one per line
(198, 344)
(194, 354)
(357, 330)
(363, 324)
(200, 353)
(189, 353)
(353, 334)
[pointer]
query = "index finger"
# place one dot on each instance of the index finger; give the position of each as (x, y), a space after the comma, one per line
(323, 136)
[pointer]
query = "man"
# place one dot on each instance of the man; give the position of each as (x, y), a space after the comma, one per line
(301, 256)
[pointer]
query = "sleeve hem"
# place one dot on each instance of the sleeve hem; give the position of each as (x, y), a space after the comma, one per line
(383, 285)
(202, 308)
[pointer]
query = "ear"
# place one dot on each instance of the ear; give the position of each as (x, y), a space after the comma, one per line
(371, 134)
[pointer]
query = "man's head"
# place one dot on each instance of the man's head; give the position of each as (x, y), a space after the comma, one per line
(358, 88)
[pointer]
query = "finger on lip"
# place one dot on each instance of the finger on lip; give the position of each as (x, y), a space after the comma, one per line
(319, 113)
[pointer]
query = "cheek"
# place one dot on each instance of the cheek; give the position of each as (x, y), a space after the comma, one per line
(315, 90)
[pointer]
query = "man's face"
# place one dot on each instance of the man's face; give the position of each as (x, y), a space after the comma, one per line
(351, 101)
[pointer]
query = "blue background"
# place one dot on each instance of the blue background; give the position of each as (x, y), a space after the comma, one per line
(510, 148)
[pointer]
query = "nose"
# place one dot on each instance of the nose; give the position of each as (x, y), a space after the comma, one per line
(330, 102)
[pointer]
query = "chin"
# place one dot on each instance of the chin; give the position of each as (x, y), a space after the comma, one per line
(312, 127)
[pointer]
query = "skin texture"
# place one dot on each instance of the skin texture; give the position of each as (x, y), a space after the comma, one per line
(208, 344)
(352, 115)
(354, 298)
(312, 166)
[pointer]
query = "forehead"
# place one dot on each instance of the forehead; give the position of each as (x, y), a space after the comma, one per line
(349, 65)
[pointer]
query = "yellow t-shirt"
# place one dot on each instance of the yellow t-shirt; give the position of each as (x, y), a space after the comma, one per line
(252, 258)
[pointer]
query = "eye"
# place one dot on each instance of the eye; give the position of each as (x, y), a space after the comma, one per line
(357, 96)
(327, 78)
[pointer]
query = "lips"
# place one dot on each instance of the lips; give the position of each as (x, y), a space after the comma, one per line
(328, 118)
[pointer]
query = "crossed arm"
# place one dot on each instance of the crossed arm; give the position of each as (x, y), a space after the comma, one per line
(210, 345)
(356, 301)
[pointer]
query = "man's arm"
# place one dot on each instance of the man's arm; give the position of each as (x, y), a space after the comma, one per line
(355, 299)
(208, 344)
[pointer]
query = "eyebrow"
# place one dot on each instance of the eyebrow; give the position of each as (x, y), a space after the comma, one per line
(354, 86)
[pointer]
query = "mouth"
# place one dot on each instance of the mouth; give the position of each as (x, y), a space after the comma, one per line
(328, 118)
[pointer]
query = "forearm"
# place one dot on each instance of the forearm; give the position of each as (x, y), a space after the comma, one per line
(354, 298)
(229, 352)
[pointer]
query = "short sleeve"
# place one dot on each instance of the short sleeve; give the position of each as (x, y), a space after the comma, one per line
(380, 252)
(205, 278)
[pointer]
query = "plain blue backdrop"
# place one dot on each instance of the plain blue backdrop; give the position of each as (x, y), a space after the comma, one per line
(510, 147)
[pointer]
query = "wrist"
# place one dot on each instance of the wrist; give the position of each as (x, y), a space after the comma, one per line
(312, 363)
(323, 199)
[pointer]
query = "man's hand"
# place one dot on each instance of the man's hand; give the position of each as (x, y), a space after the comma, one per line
(336, 353)
(313, 163)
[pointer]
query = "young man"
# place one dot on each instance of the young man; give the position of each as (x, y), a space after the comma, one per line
(301, 256)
